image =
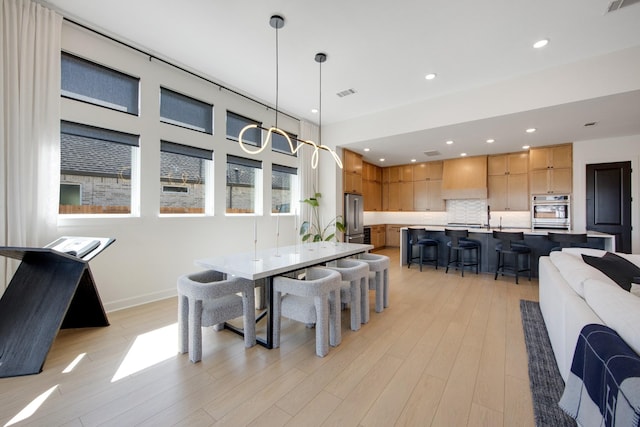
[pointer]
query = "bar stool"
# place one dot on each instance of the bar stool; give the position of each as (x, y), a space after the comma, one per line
(461, 244)
(378, 278)
(354, 289)
(418, 237)
(566, 240)
(507, 247)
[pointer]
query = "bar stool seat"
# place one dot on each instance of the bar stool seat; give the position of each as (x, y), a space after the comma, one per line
(566, 240)
(506, 246)
(460, 244)
(418, 237)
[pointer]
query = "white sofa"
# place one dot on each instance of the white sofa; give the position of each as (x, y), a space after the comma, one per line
(573, 294)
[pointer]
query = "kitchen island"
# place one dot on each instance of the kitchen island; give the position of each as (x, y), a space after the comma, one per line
(536, 239)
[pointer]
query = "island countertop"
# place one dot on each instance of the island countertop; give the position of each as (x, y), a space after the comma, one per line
(526, 231)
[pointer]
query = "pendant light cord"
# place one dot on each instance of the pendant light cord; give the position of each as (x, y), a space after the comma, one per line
(277, 75)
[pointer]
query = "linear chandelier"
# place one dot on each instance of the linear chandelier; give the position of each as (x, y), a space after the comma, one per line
(277, 22)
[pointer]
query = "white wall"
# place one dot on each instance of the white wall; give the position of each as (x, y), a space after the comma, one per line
(150, 251)
(609, 150)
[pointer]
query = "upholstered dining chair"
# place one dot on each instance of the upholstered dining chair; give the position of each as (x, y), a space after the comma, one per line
(354, 289)
(316, 299)
(208, 298)
(378, 278)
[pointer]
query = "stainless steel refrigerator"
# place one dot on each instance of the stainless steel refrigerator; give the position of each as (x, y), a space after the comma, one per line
(354, 218)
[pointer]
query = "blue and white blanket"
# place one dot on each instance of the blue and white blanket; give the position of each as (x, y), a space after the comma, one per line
(603, 388)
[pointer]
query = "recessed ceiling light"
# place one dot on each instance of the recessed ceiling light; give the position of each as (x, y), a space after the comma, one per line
(449, 142)
(463, 154)
(490, 141)
(314, 111)
(531, 130)
(367, 149)
(541, 43)
(413, 160)
(382, 160)
(430, 76)
(525, 147)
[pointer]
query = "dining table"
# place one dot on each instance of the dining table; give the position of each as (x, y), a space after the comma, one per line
(265, 264)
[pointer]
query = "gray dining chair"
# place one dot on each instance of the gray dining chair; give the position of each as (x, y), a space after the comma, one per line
(354, 289)
(208, 298)
(312, 300)
(378, 278)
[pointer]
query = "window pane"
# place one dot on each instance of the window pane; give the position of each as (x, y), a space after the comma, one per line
(280, 144)
(283, 184)
(181, 110)
(95, 173)
(183, 172)
(236, 122)
(87, 81)
(242, 178)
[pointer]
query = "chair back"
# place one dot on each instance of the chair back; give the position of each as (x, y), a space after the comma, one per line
(318, 281)
(350, 269)
(210, 284)
(415, 234)
(456, 235)
(506, 237)
(376, 262)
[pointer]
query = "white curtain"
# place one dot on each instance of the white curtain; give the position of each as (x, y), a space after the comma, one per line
(30, 37)
(308, 176)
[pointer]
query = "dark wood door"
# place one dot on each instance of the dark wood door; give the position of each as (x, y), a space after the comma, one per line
(609, 201)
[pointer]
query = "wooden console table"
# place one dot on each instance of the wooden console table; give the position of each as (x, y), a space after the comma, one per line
(50, 290)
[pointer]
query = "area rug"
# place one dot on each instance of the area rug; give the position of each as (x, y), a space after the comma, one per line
(544, 377)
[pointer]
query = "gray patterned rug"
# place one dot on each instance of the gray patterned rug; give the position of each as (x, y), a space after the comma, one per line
(544, 378)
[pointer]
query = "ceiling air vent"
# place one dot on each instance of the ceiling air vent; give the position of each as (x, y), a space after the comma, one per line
(346, 93)
(432, 153)
(618, 4)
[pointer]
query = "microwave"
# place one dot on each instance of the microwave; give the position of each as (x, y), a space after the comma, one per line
(551, 211)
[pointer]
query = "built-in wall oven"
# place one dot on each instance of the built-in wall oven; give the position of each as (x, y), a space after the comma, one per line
(552, 211)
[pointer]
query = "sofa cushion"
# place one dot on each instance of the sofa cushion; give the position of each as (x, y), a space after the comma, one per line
(618, 269)
(575, 271)
(617, 308)
(587, 251)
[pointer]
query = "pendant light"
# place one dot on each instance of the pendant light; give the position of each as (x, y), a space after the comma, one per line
(277, 22)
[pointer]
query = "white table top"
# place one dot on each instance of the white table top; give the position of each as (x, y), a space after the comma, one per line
(265, 263)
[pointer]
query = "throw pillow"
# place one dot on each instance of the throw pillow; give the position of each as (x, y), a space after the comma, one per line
(617, 268)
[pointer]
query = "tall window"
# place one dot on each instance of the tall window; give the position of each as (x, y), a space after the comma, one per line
(280, 144)
(87, 81)
(236, 122)
(184, 111)
(96, 169)
(243, 184)
(184, 173)
(284, 182)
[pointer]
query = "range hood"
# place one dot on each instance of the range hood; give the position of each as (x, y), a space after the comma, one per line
(465, 178)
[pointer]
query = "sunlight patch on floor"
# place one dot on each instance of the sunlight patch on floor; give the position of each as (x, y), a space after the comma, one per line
(74, 363)
(31, 408)
(149, 349)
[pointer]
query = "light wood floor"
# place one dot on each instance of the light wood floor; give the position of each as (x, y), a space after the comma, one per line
(449, 351)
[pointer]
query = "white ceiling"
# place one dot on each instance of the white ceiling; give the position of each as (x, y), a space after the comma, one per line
(383, 50)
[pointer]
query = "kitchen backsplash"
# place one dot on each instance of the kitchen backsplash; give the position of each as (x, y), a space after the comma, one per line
(468, 211)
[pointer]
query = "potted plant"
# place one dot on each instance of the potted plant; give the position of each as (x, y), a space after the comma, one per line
(313, 230)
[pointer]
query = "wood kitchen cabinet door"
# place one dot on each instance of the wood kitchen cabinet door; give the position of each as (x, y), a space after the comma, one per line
(551, 181)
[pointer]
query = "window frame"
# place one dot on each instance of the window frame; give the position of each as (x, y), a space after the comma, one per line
(293, 188)
(257, 185)
(181, 97)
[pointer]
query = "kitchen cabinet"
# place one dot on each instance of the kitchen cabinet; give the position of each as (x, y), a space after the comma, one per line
(551, 157)
(372, 187)
(427, 196)
(400, 196)
(378, 236)
(508, 192)
(551, 181)
(352, 172)
(427, 187)
(508, 182)
(393, 235)
(550, 169)
(402, 173)
(427, 171)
